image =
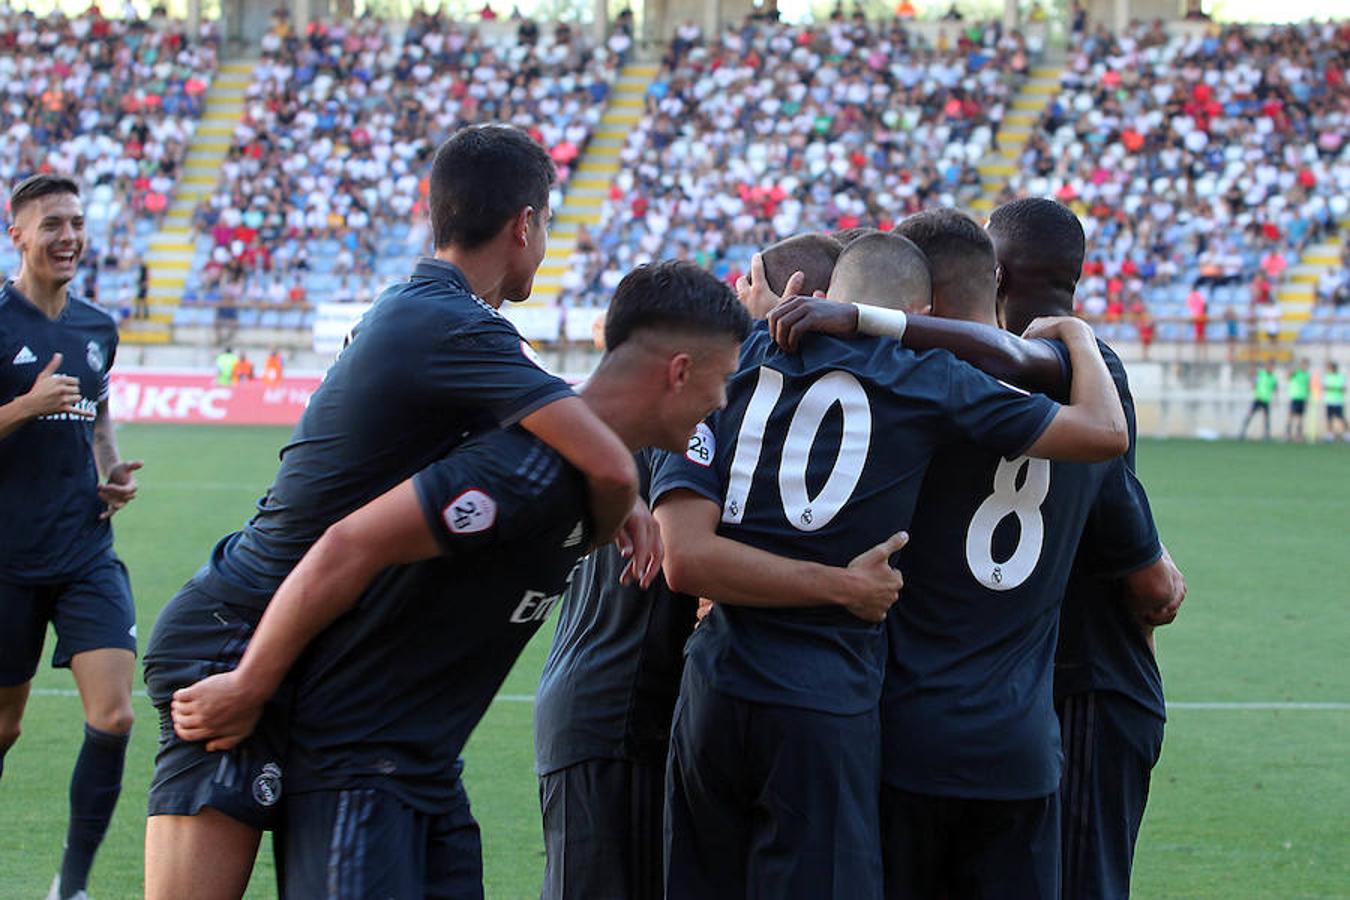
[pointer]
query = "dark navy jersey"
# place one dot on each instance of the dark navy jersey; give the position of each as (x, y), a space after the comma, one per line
(1101, 646)
(968, 707)
(609, 686)
(428, 365)
(819, 455)
(48, 476)
(390, 692)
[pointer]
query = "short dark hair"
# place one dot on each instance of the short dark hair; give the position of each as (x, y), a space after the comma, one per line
(846, 236)
(1042, 236)
(36, 186)
(813, 255)
(674, 295)
(883, 269)
(483, 176)
(960, 254)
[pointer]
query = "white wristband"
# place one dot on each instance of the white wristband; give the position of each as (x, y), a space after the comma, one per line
(881, 322)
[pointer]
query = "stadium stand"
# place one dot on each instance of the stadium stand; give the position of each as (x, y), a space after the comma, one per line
(1203, 164)
(768, 129)
(321, 194)
(113, 103)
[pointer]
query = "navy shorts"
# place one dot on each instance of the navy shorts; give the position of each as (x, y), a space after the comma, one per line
(198, 635)
(959, 847)
(771, 801)
(90, 611)
(602, 831)
(1297, 407)
(364, 842)
(1111, 744)
(1335, 411)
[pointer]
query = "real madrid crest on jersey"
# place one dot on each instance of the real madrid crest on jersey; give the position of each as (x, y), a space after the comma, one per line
(93, 354)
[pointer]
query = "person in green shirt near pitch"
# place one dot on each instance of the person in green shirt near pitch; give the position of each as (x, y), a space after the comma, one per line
(225, 367)
(1300, 385)
(1262, 394)
(1333, 394)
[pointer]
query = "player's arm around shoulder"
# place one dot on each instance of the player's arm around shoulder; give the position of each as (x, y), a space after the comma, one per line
(699, 561)
(390, 530)
(1092, 427)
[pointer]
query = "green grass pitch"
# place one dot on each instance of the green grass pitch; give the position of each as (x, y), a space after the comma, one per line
(1247, 802)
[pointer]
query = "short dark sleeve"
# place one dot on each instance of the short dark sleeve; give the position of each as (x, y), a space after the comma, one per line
(1121, 536)
(696, 469)
(493, 367)
(476, 499)
(995, 415)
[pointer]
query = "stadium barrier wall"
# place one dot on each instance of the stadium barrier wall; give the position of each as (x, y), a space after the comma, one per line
(191, 397)
(1173, 397)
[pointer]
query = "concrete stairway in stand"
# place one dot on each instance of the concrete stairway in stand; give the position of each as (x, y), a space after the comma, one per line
(171, 249)
(593, 177)
(1019, 122)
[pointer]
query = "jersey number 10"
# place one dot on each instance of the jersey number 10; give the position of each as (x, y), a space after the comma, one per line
(803, 512)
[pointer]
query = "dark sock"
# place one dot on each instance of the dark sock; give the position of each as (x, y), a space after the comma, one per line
(94, 787)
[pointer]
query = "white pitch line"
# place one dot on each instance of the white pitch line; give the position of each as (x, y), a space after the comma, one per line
(1273, 706)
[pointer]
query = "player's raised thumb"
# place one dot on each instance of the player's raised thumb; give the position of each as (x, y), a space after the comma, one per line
(134, 465)
(52, 365)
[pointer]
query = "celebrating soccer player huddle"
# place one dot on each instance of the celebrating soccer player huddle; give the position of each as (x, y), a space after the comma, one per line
(820, 727)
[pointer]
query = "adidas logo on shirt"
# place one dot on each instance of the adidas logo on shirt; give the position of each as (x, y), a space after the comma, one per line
(576, 537)
(24, 357)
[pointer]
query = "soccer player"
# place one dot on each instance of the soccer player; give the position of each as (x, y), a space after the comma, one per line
(432, 363)
(1263, 391)
(1300, 386)
(608, 689)
(56, 554)
(971, 751)
(1333, 394)
(774, 777)
(801, 264)
(1108, 689)
(386, 697)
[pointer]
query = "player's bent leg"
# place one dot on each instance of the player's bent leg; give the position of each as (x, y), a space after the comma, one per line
(354, 844)
(207, 856)
(817, 828)
(104, 681)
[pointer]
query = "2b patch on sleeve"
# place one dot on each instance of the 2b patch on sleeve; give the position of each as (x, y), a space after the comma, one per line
(702, 446)
(469, 513)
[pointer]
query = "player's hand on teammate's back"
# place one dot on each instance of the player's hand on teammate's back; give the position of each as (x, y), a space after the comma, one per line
(755, 294)
(52, 393)
(217, 710)
(120, 488)
(876, 583)
(797, 317)
(639, 541)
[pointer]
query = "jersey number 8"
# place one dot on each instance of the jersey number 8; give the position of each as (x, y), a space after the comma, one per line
(803, 512)
(1010, 500)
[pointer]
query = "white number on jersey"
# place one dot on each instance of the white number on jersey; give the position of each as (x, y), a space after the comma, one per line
(1009, 500)
(802, 511)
